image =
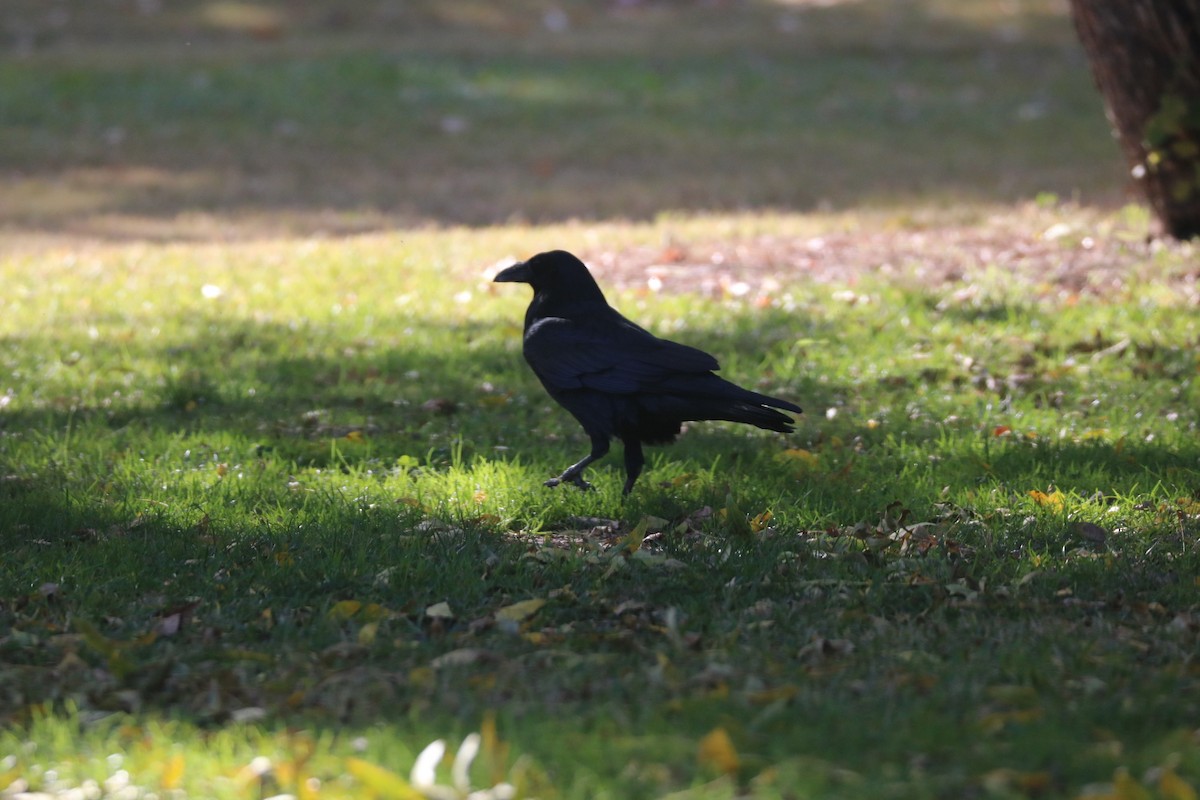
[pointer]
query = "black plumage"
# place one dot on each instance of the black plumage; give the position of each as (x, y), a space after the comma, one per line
(616, 378)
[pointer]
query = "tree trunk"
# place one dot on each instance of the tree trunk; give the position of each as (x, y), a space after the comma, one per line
(1145, 57)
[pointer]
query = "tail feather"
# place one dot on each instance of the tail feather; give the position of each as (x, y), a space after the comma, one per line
(718, 399)
(736, 411)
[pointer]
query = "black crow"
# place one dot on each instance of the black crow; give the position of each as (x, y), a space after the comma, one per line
(616, 378)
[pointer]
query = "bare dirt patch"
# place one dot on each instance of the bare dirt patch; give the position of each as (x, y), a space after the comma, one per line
(1084, 255)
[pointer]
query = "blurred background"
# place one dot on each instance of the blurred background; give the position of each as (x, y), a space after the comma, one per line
(190, 119)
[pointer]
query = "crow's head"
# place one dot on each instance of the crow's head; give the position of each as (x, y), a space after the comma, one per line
(557, 273)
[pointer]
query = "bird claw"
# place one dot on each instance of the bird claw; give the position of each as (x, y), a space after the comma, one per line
(577, 480)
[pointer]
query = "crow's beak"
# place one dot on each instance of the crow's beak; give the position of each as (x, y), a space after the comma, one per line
(517, 273)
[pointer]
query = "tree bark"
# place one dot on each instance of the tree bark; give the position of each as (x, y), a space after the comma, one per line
(1145, 57)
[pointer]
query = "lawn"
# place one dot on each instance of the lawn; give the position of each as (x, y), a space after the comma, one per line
(271, 504)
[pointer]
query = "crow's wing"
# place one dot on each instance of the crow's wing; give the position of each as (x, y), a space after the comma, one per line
(611, 356)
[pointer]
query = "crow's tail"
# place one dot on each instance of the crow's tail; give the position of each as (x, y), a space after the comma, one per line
(717, 398)
(753, 412)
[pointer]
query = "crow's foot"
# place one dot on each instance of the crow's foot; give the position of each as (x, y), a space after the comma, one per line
(575, 479)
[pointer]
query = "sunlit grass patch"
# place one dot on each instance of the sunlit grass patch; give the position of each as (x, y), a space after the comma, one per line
(299, 484)
(272, 514)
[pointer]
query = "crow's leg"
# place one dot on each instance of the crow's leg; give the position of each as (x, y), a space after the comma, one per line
(574, 473)
(634, 461)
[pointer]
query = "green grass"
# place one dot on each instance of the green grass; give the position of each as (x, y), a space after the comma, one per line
(271, 502)
(621, 116)
(909, 620)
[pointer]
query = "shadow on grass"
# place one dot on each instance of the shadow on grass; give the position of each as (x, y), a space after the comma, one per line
(247, 392)
(252, 576)
(684, 111)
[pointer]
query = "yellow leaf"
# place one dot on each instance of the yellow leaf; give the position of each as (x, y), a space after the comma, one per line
(344, 609)
(383, 783)
(800, 455)
(366, 634)
(354, 436)
(632, 541)
(1173, 787)
(308, 789)
(759, 523)
(286, 772)
(717, 749)
(173, 772)
(523, 610)
(1053, 500)
(495, 752)
(373, 612)
(1125, 787)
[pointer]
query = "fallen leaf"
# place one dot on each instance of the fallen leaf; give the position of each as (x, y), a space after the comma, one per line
(172, 774)
(716, 749)
(495, 752)
(1052, 500)
(382, 782)
(628, 606)
(366, 634)
(439, 611)
(760, 522)
(1091, 532)
(462, 657)
(373, 612)
(1173, 787)
(632, 541)
(1126, 787)
(801, 456)
(344, 609)
(169, 625)
(518, 612)
(248, 714)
